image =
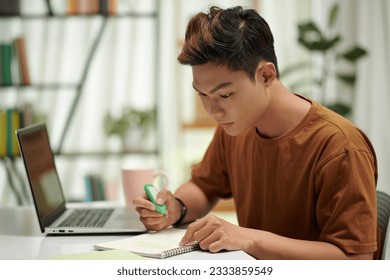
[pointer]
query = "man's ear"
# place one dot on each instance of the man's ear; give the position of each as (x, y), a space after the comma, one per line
(266, 72)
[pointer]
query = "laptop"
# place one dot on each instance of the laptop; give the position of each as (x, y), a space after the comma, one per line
(53, 215)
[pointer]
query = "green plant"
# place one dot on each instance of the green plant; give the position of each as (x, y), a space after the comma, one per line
(130, 119)
(324, 42)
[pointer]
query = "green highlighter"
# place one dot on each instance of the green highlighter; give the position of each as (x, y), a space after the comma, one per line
(152, 192)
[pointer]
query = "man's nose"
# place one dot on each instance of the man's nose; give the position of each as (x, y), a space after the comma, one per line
(214, 109)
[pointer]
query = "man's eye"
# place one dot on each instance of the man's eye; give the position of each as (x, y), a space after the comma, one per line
(225, 95)
(202, 94)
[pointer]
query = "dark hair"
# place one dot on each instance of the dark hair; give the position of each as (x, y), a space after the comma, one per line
(237, 38)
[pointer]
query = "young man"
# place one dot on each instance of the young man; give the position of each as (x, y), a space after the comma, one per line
(302, 177)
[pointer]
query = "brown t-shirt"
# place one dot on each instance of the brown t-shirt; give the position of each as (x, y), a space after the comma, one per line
(318, 182)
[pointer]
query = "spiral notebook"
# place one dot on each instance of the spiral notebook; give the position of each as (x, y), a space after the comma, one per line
(162, 244)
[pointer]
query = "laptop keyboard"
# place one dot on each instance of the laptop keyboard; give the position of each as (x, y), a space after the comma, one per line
(87, 218)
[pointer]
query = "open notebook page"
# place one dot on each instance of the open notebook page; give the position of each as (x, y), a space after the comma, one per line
(160, 244)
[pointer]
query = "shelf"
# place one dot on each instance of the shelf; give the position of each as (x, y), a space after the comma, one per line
(97, 153)
(106, 153)
(66, 16)
(42, 86)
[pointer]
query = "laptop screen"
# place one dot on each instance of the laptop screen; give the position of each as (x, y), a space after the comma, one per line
(41, 170)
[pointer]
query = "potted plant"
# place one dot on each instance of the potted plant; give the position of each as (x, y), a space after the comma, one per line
(324, 43)
(133, 126)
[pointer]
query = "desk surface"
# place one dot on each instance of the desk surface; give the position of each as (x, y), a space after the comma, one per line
(20, 238)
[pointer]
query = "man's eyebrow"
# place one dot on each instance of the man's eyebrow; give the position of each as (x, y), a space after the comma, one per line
(219, 86)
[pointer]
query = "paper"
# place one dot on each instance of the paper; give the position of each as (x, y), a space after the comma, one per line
(155, 244)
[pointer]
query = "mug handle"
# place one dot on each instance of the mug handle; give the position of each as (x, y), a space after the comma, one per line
(161, 173)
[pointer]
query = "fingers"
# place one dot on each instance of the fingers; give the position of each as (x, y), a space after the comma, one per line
(209, 232)
(142, 202)
(216, 246)
(156, 223)
(164, 196)
(193, 228)
(152, 219)
(202, 231)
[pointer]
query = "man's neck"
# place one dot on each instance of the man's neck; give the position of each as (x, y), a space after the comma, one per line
(286, 111)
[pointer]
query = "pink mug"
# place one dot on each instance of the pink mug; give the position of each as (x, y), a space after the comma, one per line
(133, 181)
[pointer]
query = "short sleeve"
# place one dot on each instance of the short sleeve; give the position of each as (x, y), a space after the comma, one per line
(346, 206)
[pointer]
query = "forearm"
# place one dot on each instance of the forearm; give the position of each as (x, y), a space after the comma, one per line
(196, 201)
(266, 245)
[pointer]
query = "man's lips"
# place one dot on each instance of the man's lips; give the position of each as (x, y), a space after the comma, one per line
(226, 124)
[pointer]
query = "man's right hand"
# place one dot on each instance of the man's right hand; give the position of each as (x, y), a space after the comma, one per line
(154, 220)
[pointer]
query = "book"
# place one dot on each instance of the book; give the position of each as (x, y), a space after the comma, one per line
(12, 122)
(108, 7)
(88, 7)
(5, 64)
(3, 133)
(21, 57)
(15, 126)
(9, 133)
(72, 7)
(94, 188)
(161, 244)
(9, 7)
(98, 188)
(88, 188)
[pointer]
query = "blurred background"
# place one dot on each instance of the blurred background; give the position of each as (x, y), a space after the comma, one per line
(103, 76)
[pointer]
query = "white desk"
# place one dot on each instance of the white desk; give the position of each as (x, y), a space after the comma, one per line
(21, 238)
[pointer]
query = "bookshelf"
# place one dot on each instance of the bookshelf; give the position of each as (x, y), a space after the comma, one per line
(77, 89)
